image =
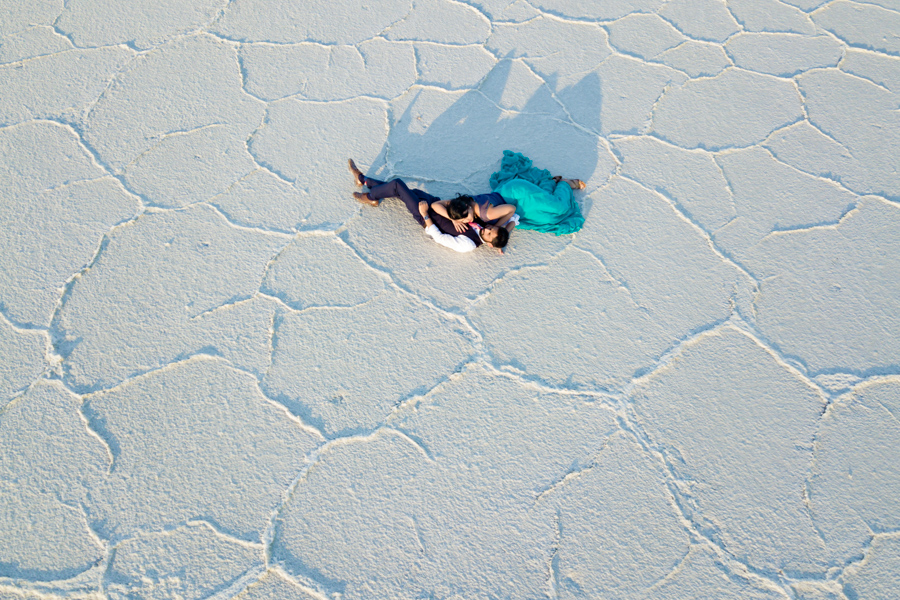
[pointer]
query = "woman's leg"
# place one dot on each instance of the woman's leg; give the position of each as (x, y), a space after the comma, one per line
(575, 184)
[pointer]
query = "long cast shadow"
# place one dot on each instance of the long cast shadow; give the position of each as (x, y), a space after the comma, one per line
(458, 150)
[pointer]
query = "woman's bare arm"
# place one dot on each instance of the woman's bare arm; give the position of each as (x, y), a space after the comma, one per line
(501, 211)
(440, 208)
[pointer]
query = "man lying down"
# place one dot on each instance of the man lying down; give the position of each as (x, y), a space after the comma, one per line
(523, 195)
(464, 234)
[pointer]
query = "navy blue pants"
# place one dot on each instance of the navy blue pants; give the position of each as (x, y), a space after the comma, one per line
(396, 188)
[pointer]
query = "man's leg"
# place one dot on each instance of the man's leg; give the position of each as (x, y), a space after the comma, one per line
(396, 188)
(360, 177)
(378, 190)
(369, 182)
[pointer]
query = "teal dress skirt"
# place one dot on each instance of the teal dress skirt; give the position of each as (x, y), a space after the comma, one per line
(541, 203)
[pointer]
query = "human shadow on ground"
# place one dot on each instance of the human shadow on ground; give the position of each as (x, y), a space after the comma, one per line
(452, 142)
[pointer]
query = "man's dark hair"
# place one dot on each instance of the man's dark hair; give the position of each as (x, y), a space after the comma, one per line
(458, 208)
(502, 238)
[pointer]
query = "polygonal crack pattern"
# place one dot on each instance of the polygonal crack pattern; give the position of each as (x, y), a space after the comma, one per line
(221, 376)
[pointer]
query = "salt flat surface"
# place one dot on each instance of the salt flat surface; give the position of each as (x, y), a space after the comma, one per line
(221, 377)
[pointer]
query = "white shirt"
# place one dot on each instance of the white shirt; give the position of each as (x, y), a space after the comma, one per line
(460, 243)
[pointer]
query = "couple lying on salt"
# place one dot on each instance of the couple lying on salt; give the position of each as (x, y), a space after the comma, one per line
(523, 196)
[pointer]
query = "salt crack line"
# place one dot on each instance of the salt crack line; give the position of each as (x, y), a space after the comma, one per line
(312, 459)
(793, 365)
(688, 38)
(574, 474)
(807, 504)
(300, 423)
(685, 216)
(546, 388)
(833, 180)
(171, 529)
(245, 76)
(244, 299)
(450, 315)
(864, 78)
(258, 379)
(159, 139)
(179, 361)
(679, 497)
(830, 225)
(110, 455)
(838, 574)
(83, 586)
(21, 61)
(833, 225)
(411, 402)
(285, 305)
(250, 576)
(571, 120)
(278, 572)
(248, 228)
(20, 326)
(674, 351)
(648, 124)
(831, 137)
(247, 146)
(399, 21)
(75, 182)
(675, 570)
(553, 576)
(620, 283)
(885, 409)
(11, 401)
(473, 301)
(219, 14)
(101, 164)
(202, 356)
(89, 108)
(736, 570)
(211, 202)
(830, 3)
(58, 338)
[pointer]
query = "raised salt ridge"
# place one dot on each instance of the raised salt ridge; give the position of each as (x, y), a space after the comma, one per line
(223, 377)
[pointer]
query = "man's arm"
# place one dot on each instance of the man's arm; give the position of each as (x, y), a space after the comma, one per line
(458, 243)
(511, 222)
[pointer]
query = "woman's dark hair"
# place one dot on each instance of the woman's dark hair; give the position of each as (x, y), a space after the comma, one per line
(502, 238)
(458, 208)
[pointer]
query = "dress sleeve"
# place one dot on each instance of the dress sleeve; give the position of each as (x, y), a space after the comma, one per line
(460, 243)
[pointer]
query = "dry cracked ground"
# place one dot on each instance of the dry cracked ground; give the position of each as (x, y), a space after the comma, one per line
(220, 377)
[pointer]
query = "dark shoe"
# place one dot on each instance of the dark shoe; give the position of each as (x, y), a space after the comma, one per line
(366, 199)
(360, 177)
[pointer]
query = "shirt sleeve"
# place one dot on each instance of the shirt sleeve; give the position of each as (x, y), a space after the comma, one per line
(460, 243)
(513, 219)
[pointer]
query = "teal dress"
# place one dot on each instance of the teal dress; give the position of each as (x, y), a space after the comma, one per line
(541, 203)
